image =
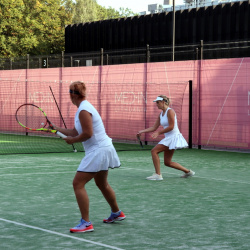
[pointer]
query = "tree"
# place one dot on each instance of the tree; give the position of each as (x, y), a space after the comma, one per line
(32, 27)
(109, 13)
(11, 28)
(37, 26)
(46, 20)
(84, 11)
(126, 13)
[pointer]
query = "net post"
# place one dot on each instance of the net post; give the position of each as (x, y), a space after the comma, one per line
(190, 117)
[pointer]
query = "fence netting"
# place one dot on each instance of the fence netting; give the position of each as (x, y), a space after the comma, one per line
(125, 109)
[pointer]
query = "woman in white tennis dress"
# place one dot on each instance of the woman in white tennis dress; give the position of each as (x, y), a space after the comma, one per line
(172, 141)
(100, 155)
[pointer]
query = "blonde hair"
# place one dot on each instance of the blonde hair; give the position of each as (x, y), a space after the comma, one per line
(165, 99)
(80, 87)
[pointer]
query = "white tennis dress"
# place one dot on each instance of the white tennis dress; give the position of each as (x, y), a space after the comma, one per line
(173, 139)
(100, 153)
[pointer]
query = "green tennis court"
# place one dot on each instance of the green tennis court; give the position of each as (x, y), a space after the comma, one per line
(208, 211)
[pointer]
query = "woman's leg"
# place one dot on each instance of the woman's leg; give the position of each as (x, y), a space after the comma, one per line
(168, 154)
(81, 178)
(155, 157)
(101, 180)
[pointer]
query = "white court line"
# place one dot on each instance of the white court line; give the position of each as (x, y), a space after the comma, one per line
(60, 234)
(215, 179)
(33, 167)
(124, 168)
(39, 173)
(143, 170)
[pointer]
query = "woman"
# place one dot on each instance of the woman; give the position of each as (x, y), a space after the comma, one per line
(173, 139)
(100, 155)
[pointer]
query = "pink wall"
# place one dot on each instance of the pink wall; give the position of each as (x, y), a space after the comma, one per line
(221, 96)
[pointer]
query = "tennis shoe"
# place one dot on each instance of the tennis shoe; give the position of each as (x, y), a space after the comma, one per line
(83, 227)
(155, 177)
(115, 217)
(189, 174)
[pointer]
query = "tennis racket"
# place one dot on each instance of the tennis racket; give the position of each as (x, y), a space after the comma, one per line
(34, 118)
(60, 113)
(139, 140)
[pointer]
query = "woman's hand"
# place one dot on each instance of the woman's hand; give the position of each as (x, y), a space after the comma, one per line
(69, 139)
(155, 134)
(139, 133)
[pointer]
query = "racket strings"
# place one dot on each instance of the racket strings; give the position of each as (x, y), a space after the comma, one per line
(31, 117)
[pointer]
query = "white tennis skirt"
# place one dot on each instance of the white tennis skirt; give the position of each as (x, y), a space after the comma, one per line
(176, 141)
(100, 159)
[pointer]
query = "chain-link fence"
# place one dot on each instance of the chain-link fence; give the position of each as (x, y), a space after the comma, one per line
(199, 51)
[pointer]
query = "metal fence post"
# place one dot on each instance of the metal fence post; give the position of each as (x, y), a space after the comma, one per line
(197, 53)
(147, 54)
(199, 88)
(62, 59)
(201, 49)
(26, 82)
(107, 57)
(101, 57)
(39, 62)
(190, 118)
(173, 32)
(27, 61)
(10, 63)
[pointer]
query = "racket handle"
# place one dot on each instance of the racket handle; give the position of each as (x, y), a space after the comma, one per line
(60, 134)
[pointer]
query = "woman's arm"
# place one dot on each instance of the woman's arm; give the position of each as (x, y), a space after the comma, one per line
(87, 129)
(171, 120)
(151, 129)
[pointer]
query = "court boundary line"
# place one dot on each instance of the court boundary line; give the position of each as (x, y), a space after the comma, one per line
(39, 173)
(193, 176)
(124, 168)
(60, 234)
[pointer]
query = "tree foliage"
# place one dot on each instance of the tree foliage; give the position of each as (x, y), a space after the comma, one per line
(32, 27)
(85, 11)
(37, 26)
(89, 11)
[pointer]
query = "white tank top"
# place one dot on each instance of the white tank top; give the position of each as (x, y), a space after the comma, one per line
(99, 137)
(164, 122)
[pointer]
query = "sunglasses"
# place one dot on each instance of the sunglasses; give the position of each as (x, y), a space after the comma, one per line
(74, 92)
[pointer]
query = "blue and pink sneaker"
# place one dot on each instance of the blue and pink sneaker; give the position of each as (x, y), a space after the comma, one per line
(83, 227)
(118, 216)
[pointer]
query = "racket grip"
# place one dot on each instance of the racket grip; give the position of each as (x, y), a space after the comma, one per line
(60, 134)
